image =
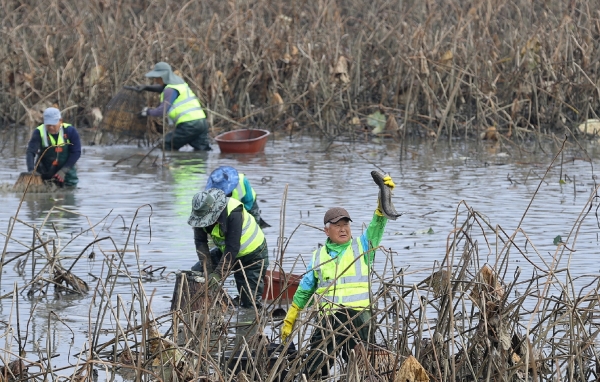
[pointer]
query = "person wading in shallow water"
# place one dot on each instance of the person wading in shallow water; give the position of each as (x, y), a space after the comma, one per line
(57, 147)
(235, 185)
(338, 280)
(181, 106)
(241, 246)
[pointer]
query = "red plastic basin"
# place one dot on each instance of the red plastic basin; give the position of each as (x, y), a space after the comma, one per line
(278, 284)
(243, 141)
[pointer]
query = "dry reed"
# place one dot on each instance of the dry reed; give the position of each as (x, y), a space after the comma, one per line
(468, 320)
(432, 68)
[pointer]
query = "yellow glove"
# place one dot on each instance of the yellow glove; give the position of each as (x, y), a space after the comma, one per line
(288, 322)
(378, 210)
(387, 180)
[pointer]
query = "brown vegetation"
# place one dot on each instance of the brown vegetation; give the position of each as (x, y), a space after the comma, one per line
(472, 319)
(437, 67)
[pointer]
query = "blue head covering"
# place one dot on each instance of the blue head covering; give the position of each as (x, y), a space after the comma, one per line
(224, 178)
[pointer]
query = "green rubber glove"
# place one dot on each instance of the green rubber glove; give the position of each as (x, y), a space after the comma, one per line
(288, 322)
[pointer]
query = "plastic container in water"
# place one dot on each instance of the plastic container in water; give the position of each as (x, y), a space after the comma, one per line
(279, 284)
(243, 141)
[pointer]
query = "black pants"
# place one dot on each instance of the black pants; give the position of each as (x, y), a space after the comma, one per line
(193, 132)
(254, 266)
(254, 211)
(340, 331)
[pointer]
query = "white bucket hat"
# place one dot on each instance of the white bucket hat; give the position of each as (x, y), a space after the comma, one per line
(164, 71)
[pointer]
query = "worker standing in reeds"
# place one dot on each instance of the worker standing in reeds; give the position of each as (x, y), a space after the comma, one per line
(57, 147)
(236, 185)
(338, 280)
(181, 106)
(241, 246)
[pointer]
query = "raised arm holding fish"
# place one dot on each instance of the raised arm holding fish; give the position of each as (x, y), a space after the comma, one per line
(337, 280)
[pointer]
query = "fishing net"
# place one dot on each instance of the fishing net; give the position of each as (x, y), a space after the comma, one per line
(121, 115)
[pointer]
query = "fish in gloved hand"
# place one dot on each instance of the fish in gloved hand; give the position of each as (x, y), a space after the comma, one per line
(386, 185)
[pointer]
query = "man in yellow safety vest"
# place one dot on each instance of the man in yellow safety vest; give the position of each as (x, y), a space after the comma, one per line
(236, 185)
(338, 280)
(241, 246)
(181, 106)
(53, 150)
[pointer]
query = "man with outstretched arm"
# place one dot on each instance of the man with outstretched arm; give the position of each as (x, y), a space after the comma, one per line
(338, 281)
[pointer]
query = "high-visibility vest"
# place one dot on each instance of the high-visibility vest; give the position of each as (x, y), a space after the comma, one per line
(186, 106)
(344, 280)
(60, 154)
(252, 235)
(240, 191)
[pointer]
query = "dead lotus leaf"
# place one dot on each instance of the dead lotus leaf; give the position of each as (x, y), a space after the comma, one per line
(277, 101)
(222, 81)
(488, 285)
(96, 116)
(95, 75)
(16, 368)
(591, 126)
(439, 282)
(515, 358)
(423, 66)
(532, 45)
(28, 77)
(155, 339)
(340, 71)
(290, 123)
(411, 371)
(69, 69)
(505, 339)
(391, 124)
(490, 134)
(447, 57)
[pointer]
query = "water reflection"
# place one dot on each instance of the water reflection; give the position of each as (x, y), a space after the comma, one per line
(39, 205)
(188, 176)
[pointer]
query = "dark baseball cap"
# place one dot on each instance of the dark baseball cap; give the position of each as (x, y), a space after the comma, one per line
(335, 214)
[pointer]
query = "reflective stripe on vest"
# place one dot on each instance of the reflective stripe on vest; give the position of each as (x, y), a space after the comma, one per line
(240, 191)
(252, 236)
(186, 106)
(44, 135)
(351, 287)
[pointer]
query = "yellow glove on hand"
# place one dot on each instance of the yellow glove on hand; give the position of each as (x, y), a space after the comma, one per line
(378, 210)
(288, 322)
(387, 180)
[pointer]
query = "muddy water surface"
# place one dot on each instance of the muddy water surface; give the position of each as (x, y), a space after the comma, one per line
(143, 204)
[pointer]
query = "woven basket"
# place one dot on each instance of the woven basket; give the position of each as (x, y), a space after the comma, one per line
(121, 114)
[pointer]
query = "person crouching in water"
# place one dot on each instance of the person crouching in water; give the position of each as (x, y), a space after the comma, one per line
(57, 147)
(241, 246)
(236, 185)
